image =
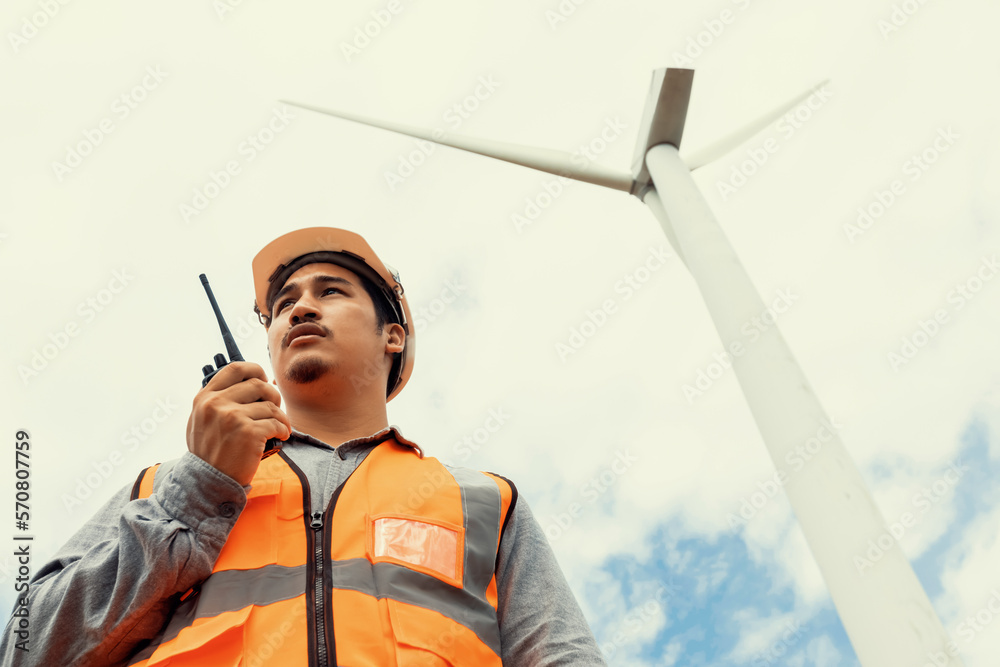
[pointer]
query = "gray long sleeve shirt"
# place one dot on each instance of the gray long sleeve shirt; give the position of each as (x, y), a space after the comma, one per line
(115, 583)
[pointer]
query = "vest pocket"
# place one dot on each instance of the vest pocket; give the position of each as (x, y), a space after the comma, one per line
(216, 641)
(425, 638)
(264, 487)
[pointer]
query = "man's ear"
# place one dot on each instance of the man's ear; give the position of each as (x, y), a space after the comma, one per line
(396, 339)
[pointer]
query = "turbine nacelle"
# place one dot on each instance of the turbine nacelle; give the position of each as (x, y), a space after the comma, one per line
(662, 120)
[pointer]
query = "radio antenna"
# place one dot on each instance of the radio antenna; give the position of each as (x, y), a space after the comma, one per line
(227, 337)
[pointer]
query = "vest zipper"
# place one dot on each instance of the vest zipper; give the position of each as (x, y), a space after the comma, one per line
(314, 545)
(317, 525)
(316, 520)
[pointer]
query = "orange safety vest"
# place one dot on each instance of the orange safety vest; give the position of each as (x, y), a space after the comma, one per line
(399, 570)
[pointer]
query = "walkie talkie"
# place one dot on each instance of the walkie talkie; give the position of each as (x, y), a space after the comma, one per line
(273, 444)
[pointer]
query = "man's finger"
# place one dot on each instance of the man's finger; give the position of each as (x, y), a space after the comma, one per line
(250, 391)
(264, 410)
(273, 428)
(234, 373)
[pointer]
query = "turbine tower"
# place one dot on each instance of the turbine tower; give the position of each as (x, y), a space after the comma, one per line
(884, 609)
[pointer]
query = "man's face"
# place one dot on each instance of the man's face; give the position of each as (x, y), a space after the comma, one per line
(323, 332)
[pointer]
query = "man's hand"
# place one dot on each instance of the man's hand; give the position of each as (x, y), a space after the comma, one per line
(232, 418)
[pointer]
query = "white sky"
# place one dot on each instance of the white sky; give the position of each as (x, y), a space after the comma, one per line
(520, 291)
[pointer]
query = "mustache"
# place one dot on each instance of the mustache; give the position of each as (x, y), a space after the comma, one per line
(311, 326)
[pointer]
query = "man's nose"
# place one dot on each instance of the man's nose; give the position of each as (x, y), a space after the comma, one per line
(303, 310)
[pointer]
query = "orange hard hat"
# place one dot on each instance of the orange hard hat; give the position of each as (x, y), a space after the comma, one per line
(287, 254)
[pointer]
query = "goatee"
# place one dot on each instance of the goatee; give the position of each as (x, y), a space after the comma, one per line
(307, 370)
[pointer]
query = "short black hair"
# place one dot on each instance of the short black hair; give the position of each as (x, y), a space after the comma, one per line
(383, 315)
(383, 311)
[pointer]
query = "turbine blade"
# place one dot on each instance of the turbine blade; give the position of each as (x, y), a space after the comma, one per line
(702, 157)
(551, 161)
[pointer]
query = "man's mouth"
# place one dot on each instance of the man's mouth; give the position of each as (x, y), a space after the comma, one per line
(305, 331)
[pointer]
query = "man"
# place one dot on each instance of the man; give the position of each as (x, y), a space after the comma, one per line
(343, 545)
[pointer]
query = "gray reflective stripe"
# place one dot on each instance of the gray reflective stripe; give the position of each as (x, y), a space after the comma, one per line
(235, 589)
(481, 511)
(396, 582)
(230, 590)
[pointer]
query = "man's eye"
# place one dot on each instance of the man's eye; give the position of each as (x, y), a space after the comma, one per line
(331, 289)
(283, 305)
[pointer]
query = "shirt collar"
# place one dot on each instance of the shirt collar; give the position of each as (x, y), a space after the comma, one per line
(389, 432)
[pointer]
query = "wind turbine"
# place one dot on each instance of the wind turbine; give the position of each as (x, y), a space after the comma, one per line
(884, 609)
